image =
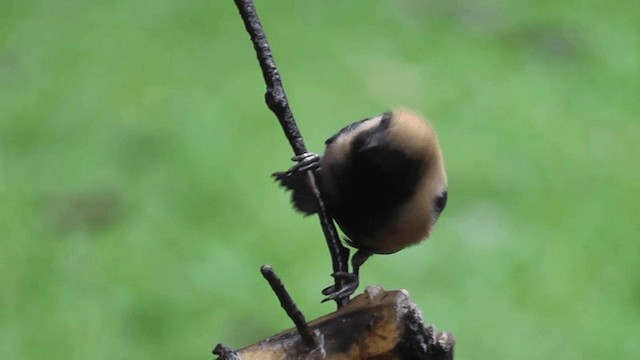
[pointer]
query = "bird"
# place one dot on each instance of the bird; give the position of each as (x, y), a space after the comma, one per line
(382, 179)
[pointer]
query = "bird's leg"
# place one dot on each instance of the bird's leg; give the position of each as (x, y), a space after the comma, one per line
(305, 162)
(351, 279)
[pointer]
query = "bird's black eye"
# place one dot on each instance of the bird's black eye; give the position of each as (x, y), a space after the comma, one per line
(441, 202)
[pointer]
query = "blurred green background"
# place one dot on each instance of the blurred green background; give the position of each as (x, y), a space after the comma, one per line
(135, 151)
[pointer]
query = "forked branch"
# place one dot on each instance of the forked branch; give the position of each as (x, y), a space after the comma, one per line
(373, 326)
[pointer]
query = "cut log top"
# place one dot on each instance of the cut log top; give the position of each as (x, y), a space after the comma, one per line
(376, 324)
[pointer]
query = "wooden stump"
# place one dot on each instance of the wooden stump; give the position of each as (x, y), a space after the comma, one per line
(377, 324)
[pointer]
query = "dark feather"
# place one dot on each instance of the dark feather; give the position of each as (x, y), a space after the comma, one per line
(301, 196)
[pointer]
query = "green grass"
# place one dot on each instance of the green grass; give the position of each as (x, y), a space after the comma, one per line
(135, 153)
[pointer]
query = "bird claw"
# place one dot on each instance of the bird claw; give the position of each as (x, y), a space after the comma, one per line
(351, 283)
(305, 162)
(350, 280)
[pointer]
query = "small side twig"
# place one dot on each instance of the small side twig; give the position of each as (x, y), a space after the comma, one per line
(278, 103)
(289, 307)
(225, 353)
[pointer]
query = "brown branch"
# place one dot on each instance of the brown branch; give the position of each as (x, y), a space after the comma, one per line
(278, 103)
(374, 325)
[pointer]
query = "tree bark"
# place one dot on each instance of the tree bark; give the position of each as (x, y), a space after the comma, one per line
(377, 324)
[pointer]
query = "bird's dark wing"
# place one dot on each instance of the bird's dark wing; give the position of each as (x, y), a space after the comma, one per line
(301, 196)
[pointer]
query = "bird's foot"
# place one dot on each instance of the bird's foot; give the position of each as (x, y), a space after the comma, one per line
(351, 282)
(305, 162)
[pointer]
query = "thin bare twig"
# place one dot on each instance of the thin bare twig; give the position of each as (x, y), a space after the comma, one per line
(278, 103)
(289, 307)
